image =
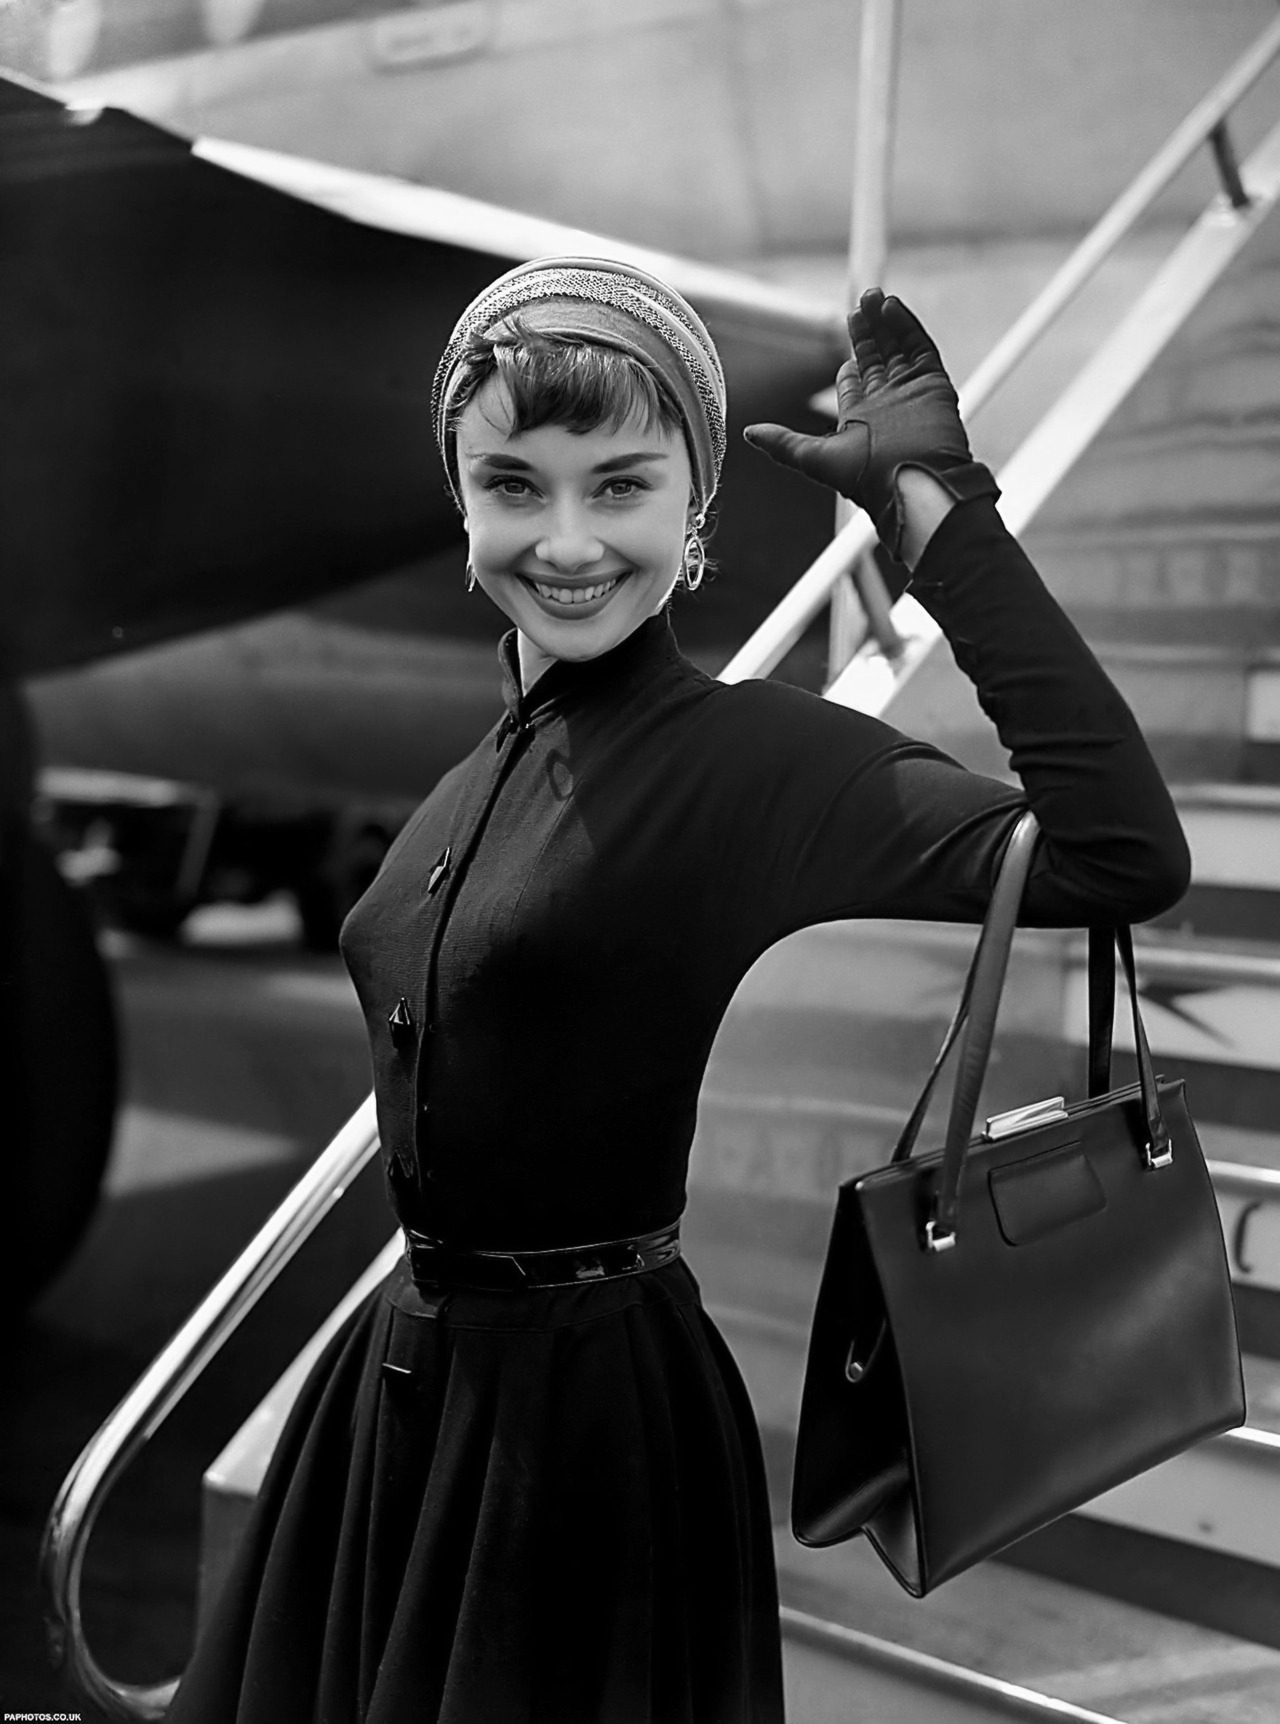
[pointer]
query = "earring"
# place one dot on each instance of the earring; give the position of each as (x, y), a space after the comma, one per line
(471, 579)
(695, 557)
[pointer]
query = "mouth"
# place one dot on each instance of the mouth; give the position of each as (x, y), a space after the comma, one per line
(563, 596)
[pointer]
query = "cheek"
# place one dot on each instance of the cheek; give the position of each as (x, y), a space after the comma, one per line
(493, 537)
(658, 539)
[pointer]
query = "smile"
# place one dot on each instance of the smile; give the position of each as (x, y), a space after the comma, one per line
(574, 596)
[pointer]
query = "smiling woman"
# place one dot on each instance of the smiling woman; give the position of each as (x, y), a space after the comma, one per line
(524, 1484)
(576, 541)
(583, 448)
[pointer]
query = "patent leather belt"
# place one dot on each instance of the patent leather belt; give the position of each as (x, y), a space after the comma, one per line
(434, 1264)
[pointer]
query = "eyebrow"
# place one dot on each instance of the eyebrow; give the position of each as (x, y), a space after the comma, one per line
(513, 463)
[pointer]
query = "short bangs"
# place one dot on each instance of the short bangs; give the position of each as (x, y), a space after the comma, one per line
(562, 380)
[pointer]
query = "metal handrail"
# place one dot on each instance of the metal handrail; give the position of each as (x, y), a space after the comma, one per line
(869, 681)
(860, 601)
(1245, 1180)
(780, 630)
(154, 1396)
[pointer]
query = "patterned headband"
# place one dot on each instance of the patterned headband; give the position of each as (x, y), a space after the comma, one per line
(617, 306)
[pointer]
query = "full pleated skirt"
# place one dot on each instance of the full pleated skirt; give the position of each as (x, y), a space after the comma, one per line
(537, 1508)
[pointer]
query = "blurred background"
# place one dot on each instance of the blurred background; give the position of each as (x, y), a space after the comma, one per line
(236, 651)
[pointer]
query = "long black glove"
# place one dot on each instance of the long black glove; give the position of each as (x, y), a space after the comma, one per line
(897, 408)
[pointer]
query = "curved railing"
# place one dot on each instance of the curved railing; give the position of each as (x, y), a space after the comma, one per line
(154, 1396)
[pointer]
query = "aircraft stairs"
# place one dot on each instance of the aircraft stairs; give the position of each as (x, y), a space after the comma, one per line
(1140, 494)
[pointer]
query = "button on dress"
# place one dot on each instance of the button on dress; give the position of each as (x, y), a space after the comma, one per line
(550, 1507)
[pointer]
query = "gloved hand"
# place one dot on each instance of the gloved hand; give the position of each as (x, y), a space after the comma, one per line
(897, 408)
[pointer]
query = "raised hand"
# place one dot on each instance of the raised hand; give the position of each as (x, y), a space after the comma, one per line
(896, 408)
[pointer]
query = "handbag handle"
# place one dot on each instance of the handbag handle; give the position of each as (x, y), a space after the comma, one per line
(997, 935)
(979, 1002)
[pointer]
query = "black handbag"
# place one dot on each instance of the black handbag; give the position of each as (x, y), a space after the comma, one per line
(1012, 1325)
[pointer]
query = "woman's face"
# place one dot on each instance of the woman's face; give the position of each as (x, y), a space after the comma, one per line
(577, 536)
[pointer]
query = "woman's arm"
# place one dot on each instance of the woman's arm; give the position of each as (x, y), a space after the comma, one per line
(898, 827)
(924, 505)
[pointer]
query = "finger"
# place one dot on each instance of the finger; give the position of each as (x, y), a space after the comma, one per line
(850, 392)
(864, 334)
(788, 448)
(888, 334)
(865, 310)
(910, 335)
(870, 301)
(866, 351)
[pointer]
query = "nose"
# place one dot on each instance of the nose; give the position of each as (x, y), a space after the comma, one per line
(568, 542)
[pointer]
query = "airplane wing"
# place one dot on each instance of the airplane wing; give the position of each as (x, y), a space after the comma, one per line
(216, 373)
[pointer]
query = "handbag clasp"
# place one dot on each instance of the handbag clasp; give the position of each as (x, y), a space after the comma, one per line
(1023, 1118)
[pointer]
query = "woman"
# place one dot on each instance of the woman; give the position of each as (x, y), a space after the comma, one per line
(524, 1485)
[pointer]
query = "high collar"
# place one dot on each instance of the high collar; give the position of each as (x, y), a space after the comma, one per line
(638, 655)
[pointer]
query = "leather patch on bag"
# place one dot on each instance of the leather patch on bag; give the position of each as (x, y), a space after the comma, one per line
(1036, 1196)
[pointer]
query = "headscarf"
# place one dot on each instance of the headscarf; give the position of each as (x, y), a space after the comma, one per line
(615, 305)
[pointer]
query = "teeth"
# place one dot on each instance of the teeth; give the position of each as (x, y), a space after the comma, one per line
(575, 595)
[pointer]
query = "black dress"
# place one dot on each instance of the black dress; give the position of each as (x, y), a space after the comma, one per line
(556, 1512)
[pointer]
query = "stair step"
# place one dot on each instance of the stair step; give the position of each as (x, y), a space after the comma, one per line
(824, 1048)
(1222, 911)
(1234, 833)
(1108, 1655)
(1190, 700)
(1211, 1007)
(1210, 709)
(770, 1246)
(1204, 581)
(1207, 1521)
(1215, 1007)
(1223, 1495)
(826, 1667)
(1262, 721)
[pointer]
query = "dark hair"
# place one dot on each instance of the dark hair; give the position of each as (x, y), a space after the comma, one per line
(561, 380)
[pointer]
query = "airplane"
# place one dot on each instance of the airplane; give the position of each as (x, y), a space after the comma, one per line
(234, 573)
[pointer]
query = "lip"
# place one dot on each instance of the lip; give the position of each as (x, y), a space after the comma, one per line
(591, 608)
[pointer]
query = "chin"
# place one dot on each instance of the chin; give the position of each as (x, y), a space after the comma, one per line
(588, 637)
(581, 640)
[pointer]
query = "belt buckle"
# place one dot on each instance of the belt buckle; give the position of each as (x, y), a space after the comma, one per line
(510, 1259)
(615, 1260)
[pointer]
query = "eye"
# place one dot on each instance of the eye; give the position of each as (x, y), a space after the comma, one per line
(624, 487)
(508, 485)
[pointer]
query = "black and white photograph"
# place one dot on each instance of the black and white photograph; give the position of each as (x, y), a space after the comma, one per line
(640, 861)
